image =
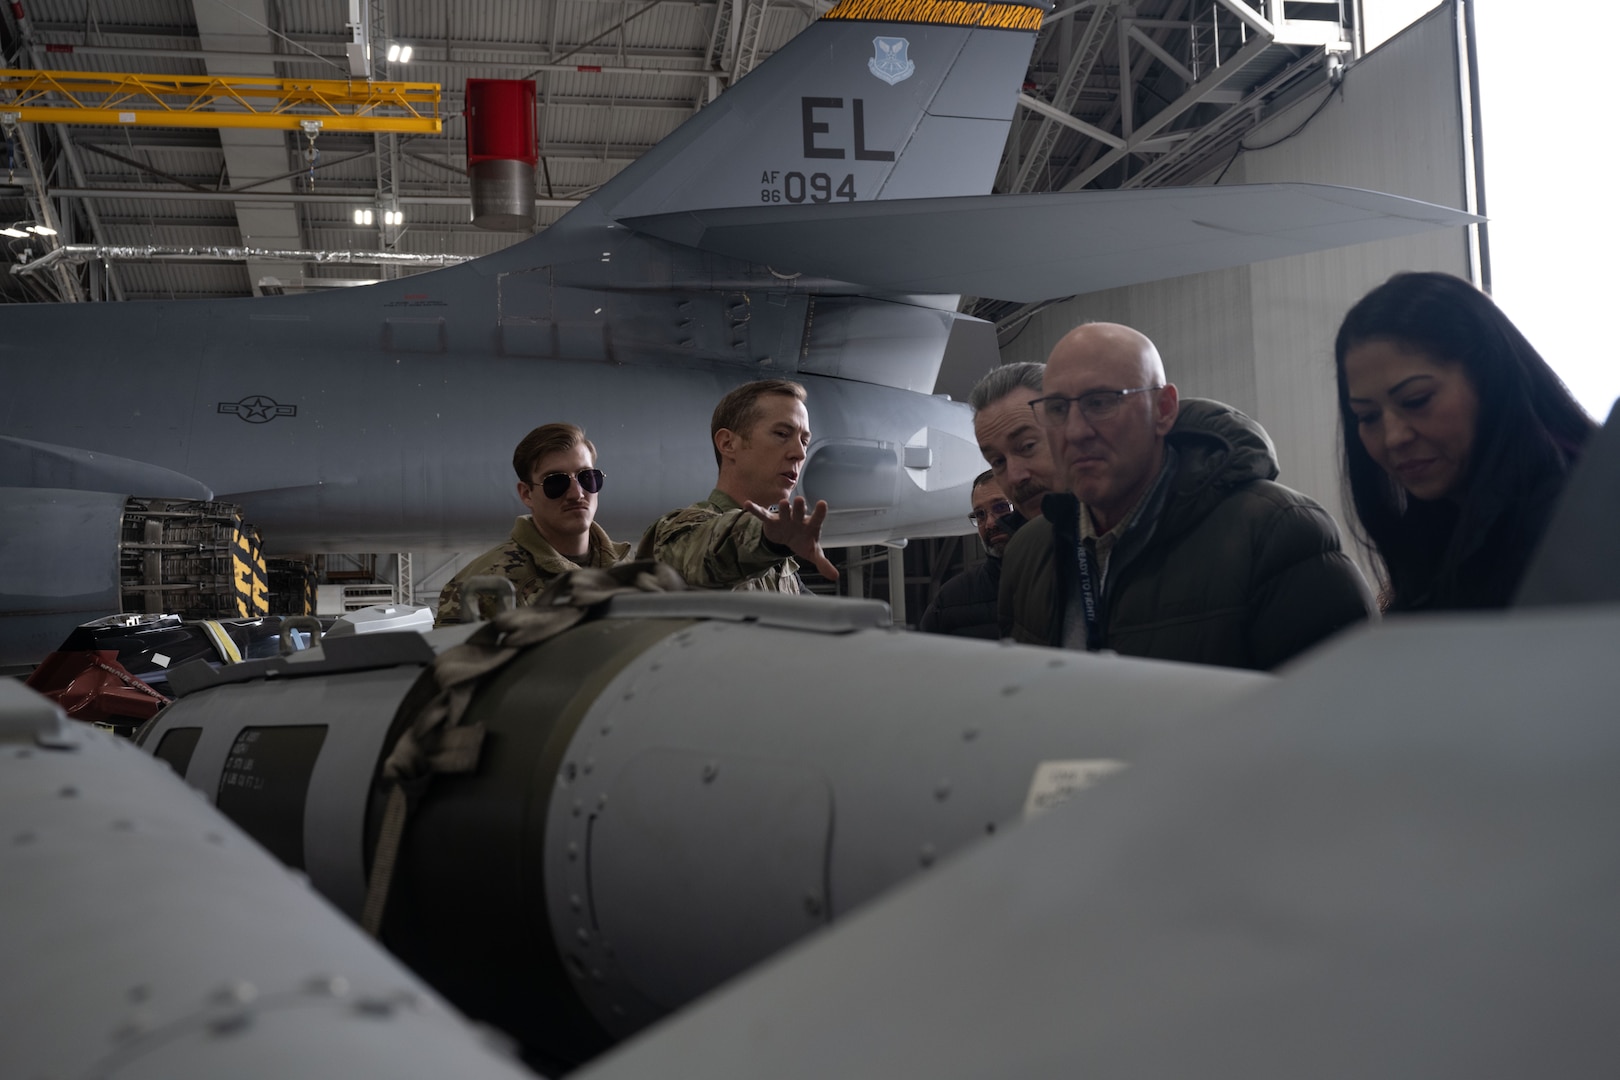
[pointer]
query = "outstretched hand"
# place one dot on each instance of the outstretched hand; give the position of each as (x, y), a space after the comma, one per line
(795, 527)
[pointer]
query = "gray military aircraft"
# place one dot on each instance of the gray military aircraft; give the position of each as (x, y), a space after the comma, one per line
(817, 221)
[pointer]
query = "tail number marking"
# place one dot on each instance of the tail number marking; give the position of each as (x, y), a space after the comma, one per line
(795, 187)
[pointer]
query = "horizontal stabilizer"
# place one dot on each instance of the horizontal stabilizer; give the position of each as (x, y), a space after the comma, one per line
(1041, 246)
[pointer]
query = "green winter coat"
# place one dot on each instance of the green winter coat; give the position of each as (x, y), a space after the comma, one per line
(1234, 569)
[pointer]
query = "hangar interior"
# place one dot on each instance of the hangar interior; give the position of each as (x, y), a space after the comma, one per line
(1118, 95)
(1294, 881)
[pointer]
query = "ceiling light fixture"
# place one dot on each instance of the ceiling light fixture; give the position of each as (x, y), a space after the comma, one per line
(363, 216)
(43, 230)
(398, 54)
(14, 232)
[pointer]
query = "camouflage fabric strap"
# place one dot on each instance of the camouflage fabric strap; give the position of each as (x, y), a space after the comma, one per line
(439, 742)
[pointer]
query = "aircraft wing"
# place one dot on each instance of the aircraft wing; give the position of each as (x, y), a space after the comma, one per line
(1040, 246)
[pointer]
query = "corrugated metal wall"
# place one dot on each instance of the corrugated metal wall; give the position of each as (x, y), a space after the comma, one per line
(1261, 337)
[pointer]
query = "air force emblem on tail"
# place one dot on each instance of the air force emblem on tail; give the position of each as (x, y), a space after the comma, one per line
(889, 61)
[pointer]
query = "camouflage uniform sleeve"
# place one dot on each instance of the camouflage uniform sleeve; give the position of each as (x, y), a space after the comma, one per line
(508, 561)
(710, 549)
(449, 612)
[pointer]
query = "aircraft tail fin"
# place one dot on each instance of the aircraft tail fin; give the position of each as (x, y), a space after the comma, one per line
(879, 99)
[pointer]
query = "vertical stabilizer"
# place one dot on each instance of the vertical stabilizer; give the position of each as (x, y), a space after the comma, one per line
(879, 99)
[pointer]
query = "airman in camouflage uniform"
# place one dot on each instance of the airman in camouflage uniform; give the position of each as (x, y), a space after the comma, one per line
(558, 482)
(529, 563)
(732, 539)
(716, 544)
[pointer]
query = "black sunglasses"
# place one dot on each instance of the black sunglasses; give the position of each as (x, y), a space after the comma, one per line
(556, 484)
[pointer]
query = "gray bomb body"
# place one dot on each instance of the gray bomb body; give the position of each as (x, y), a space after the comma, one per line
(667, 795)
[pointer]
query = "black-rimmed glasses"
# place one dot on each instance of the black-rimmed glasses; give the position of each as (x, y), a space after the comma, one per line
(556, 485)
(999, 508)
(1053, 411)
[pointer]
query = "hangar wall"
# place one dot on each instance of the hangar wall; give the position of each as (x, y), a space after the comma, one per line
(1261, 337)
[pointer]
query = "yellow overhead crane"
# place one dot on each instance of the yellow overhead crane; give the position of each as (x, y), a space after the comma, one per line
(218, 101)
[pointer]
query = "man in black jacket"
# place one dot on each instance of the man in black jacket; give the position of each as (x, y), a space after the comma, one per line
(1168, 536)
(966, 605)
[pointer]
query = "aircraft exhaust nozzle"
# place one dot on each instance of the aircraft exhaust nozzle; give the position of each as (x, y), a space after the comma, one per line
(502, 151)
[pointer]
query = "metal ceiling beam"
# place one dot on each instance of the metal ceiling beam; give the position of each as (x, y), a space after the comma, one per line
(1071, 9)
(360, 198)
(329, 49)
(70, 254)
(1076, 73)
(424, 53)
(1073, 123)
(183, 182)
(1252, 18)
(1130, 74)
(69, 286)
(386, 144)
(339, 143)
(1195, 93)
(1158, 51)
(1226, 128)
(753, 22)
(716, 57)
(253, 156)
(120, 98)
(555, 58)
(33, 51)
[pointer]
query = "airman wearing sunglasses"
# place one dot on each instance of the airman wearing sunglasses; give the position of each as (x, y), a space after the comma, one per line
(750, 531)
(558, 481)
(1168, 535)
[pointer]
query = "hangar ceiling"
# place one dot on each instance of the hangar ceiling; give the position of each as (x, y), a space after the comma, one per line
(1118, 94)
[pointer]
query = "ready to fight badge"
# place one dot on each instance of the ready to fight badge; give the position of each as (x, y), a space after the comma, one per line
(889, 61)
(1056, 782)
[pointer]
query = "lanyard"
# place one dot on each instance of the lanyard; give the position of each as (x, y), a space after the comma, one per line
(1088, 599)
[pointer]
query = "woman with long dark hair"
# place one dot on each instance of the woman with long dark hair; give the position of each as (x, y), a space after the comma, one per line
(1457, 440)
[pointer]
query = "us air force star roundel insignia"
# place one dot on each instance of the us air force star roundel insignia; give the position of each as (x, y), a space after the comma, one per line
(257, 409)
(889, 61)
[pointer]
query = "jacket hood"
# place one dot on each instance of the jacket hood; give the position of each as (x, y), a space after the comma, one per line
(1217, 449)
(1219, 446)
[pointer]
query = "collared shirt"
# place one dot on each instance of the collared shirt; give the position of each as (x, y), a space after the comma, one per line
(1099, 547)
(1102, 545)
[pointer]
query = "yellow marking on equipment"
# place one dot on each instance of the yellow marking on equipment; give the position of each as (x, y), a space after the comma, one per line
(243, 587)
(939, 13)
(209, 101)
(222, 641)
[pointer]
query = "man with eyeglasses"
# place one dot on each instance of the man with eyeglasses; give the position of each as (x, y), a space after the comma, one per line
(749, 532)
(558, 481)
(1168, 536)
(1013, 445)
(966, 605)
